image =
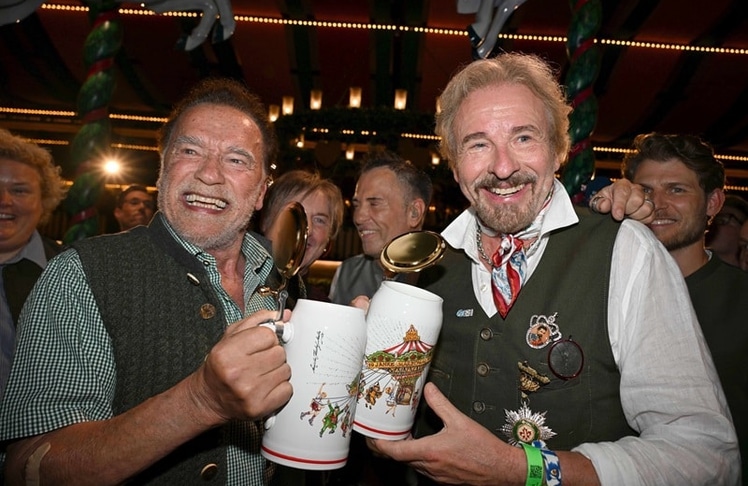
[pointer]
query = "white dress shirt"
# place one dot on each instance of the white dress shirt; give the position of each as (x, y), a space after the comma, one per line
(670, 391)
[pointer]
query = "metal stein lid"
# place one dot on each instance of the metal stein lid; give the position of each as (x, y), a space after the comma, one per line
(289, 242)
(412, 252)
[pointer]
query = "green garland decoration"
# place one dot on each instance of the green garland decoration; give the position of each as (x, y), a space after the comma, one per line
(94, 137)
(585, 60)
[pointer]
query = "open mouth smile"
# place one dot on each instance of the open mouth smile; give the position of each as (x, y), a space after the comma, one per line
(506, 191)
(205, 202)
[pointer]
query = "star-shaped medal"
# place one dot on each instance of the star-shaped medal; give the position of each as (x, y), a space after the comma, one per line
(524, 425)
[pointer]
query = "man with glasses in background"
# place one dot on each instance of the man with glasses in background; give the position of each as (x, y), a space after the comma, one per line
(135, 207)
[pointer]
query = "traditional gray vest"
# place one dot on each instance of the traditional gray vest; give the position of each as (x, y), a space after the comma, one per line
(162, 324)
(477, 362)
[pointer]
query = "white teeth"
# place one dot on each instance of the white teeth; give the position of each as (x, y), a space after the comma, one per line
(507, 191)
(6, 216)
(205, 202)
(661, 221)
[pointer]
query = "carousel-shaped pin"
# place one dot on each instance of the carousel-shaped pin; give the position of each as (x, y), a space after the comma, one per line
(543, 331)
(524, 425)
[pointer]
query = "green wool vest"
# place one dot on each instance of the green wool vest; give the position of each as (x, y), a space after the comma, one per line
(477, 360)
(162, 324)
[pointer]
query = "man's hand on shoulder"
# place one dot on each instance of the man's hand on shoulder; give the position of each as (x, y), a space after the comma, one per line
(623, 199)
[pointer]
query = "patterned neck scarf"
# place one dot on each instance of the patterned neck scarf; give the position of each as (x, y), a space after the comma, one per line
(509, 262)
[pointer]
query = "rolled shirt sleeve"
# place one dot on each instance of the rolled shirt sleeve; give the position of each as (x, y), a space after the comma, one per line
(63, 372)
(670, 391)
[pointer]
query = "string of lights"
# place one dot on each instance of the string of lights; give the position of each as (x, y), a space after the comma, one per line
(319, 130)
(428, 30)
(417, 29)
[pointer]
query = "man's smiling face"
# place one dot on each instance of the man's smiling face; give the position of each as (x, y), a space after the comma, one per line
(681, 207)
(380, 210)
(213, 176)
(506, 162)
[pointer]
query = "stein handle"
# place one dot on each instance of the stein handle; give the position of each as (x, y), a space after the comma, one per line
(269, 422)
(284, 330)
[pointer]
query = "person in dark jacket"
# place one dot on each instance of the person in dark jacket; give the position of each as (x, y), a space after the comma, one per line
(686, 182)
(30, 190)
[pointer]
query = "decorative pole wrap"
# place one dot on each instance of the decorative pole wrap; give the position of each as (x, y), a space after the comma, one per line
(94, 138)
(585, 58)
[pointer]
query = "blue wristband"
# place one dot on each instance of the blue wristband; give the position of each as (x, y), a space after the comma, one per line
(552, 468)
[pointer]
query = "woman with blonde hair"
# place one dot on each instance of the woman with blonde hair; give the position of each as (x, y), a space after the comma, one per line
(323, 205)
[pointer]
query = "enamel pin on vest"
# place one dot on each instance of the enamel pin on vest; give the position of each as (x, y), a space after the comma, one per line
(565, 360)
(565, 356)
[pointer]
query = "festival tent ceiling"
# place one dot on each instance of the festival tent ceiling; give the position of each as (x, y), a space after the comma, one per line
(669, 65)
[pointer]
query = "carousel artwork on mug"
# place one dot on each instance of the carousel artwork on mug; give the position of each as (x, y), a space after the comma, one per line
(327, 413)
(391, 375)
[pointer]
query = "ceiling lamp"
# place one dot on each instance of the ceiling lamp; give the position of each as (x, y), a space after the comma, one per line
(354, 98)
(288, 105)
(401, 98)
(315, 99)
(273, 112)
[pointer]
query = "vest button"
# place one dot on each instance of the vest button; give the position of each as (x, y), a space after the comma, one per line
(482, 369)
(486, 334)
(207, 311)
(479, 407)
(209, 472)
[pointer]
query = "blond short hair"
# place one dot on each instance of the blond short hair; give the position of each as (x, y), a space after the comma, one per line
(509, 68)
(53, 186)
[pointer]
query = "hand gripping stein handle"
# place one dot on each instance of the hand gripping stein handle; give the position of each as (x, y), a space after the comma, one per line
(284, 331)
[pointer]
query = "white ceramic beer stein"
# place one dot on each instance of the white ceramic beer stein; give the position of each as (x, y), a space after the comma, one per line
(403, 324)
(313, 430)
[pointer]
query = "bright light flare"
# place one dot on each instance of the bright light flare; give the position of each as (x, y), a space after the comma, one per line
(112, 167)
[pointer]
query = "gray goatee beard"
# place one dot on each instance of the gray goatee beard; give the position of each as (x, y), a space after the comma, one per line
(507, 219)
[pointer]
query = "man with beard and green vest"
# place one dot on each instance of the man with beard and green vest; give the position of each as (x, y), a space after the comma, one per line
(569, 351)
